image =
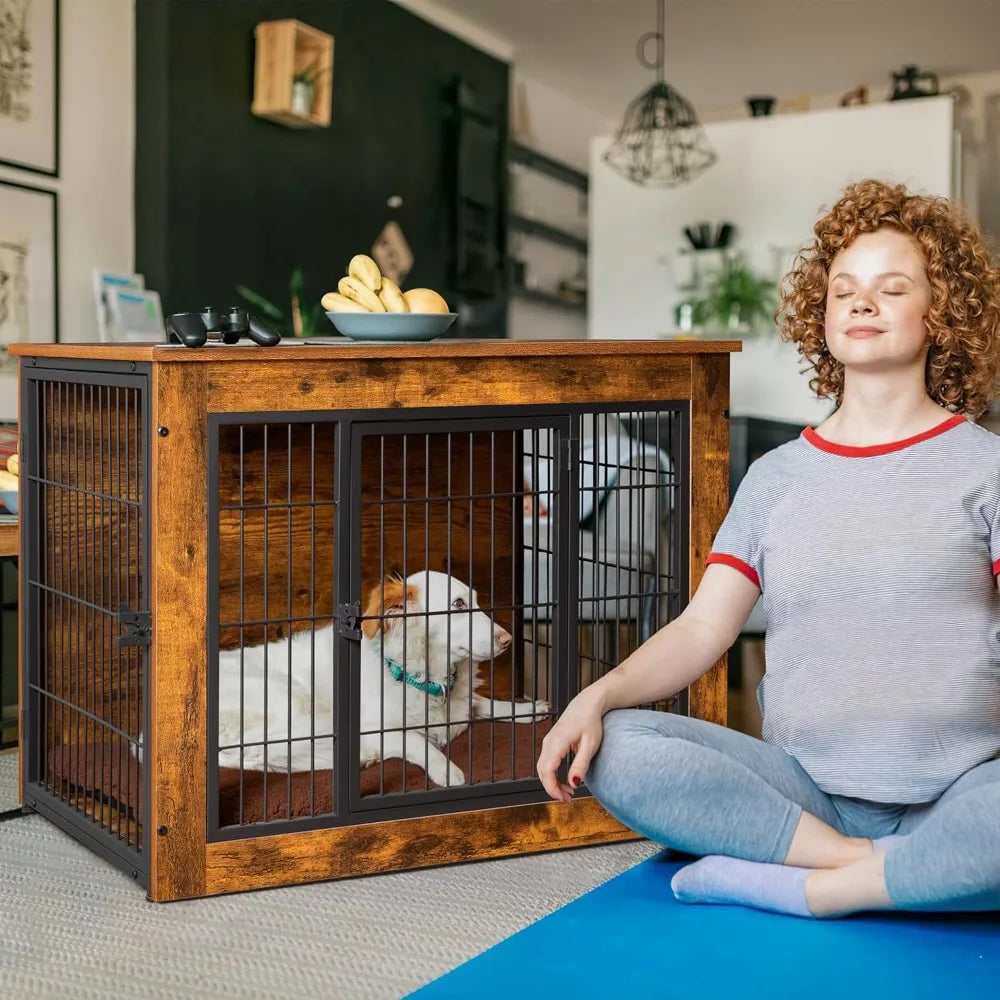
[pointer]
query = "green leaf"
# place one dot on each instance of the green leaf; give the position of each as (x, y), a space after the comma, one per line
(266, 306)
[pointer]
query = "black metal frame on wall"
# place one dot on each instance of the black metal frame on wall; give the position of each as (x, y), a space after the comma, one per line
(323, 488)
(13, 46)
(85, 598)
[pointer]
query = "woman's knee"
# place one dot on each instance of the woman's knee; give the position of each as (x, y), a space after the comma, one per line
(633, 738)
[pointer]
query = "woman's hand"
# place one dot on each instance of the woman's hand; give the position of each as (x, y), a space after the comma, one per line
(580, 731)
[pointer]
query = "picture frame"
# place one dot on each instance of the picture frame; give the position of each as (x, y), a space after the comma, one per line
(29, 286)
(29, 85)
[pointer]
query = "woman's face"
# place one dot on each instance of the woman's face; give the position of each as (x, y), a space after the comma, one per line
(876, 303)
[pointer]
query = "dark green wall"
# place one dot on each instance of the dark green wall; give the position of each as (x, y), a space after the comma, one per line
(225, 198)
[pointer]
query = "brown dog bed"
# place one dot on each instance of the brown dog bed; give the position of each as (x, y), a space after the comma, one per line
(80, 768)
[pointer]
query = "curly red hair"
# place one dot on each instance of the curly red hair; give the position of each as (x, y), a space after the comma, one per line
(963, 321)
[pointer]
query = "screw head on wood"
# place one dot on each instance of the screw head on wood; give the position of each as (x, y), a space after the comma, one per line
(162, 431)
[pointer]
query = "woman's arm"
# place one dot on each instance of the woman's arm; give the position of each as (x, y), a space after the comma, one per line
(685, 648)
(672, 659)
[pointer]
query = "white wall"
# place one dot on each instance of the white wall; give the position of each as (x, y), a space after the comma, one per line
(772, 179)
(95, 183)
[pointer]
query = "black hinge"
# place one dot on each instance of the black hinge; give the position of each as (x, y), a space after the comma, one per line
(349, 620)
(137, 626)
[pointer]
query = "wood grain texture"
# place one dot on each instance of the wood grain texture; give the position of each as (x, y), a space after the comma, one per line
(176, 747)
(303, 350)
(709, 501)
(446, 381)
(10, 539)
(286, 859)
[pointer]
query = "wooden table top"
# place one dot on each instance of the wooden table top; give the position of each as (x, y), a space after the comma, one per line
(296, 348)
(10, 539)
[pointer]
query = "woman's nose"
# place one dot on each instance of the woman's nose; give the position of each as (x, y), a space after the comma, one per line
(862, 305)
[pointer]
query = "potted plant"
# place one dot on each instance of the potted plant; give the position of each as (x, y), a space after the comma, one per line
(738, 299)
(304, 321)
(304, 88)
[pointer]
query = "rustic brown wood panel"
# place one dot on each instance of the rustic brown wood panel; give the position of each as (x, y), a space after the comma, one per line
(91, 453)
(301, 350)
(286, 859)
(406, 482)
(277, 491)
(176, 747)
(449, 381)
(709, 501)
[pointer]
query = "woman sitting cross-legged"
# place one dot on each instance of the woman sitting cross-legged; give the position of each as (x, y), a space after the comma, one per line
(875, 541)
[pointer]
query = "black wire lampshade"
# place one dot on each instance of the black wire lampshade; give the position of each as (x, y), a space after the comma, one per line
(660, 142)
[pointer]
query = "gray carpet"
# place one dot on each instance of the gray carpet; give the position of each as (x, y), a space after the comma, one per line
(74, 928)
(8, 780)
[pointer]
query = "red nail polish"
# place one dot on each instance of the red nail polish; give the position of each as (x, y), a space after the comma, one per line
(576, 780)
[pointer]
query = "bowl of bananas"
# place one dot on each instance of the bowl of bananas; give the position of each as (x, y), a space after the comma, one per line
(369, 306)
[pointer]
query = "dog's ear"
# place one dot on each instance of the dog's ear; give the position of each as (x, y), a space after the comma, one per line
(391, 596)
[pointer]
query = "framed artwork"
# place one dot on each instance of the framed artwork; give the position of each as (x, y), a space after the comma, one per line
(29, 294)
(29, 85)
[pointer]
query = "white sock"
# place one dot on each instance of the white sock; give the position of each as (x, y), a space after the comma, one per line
(719, 879)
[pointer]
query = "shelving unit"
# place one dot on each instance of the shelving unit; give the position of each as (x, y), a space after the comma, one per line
(546, 165)
(534, 227)
(285, 48)
(518, 222)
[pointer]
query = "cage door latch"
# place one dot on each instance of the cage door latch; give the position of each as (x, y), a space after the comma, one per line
(137, 625)
(349, 620)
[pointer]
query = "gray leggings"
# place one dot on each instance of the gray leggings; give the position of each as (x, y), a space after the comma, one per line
(705, 789)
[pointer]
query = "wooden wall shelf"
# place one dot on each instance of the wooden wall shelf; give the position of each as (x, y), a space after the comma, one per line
(285, 48)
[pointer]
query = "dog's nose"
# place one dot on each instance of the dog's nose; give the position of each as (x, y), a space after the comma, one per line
(502, 637)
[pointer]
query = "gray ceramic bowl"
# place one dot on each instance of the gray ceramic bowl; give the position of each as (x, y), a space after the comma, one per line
(9, 500)
(392, 326)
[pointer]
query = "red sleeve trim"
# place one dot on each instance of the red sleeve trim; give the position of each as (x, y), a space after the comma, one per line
(996, 566)
(747, 570)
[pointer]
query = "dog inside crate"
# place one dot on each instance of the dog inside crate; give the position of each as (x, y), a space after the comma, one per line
(439, 694)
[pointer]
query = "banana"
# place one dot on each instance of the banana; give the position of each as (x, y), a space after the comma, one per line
(334, 302)
(366, 271)
(391, 297)
(13, 464)
(359, 292)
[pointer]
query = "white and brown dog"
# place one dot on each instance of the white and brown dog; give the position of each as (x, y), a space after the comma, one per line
(423, 639)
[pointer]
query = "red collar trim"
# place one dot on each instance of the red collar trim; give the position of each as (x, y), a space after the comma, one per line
(853, 451)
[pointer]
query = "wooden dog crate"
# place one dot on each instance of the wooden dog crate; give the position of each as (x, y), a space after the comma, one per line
(177, 504)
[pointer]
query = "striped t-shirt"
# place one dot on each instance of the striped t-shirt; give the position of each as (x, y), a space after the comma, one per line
(877, 571)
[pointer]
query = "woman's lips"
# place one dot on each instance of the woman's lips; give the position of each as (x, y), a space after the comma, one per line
(863, 331)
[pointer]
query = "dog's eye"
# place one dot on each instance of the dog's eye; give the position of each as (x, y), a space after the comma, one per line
(458, 603)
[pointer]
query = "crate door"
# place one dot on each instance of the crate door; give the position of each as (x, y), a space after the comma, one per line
(454, 527)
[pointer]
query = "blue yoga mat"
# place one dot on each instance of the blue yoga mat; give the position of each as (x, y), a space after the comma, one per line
(631, 938)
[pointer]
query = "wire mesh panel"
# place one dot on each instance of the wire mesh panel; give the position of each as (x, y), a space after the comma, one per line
(86, 621)
(445, 704)
(630, 534)
(273, 661)
(408, 641)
